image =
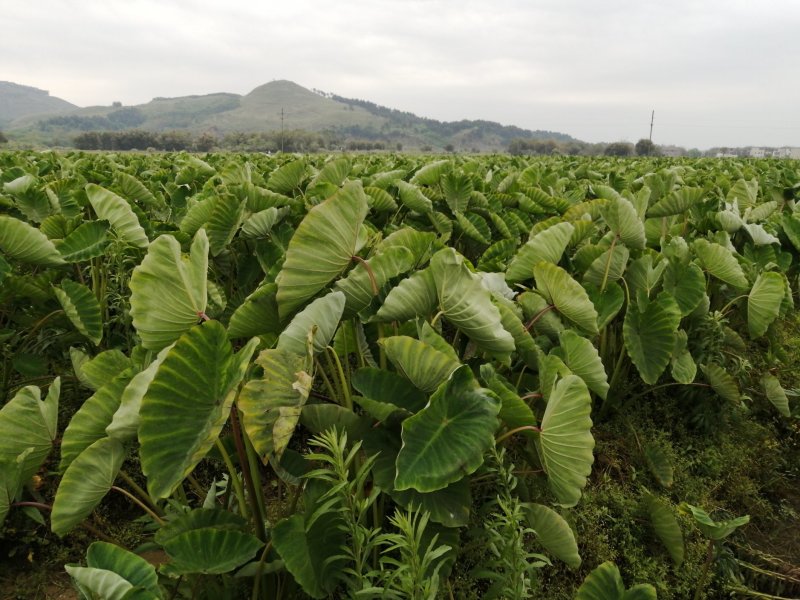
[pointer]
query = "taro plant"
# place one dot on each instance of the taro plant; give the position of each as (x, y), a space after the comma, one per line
(715, 531)
(206, 317)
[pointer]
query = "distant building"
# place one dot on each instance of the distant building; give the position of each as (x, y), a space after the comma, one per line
(672, 151)
(757, 152)
(786, 152)
(725, 155)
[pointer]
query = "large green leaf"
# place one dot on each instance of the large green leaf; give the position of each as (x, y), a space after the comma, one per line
(321, 417)
(722, 382)
(582, 358)
(412, 297)
(224, 222)
(96, 372)
(554, 533)
(419, 243)
(89, 423)
(474, 227)
(260, 224)
(289, 177)
(388, 388)
(624, 221)
(567, 295)
(566, 440)
(412, 197)
(649, 335)
(432, 172)
(721, 263)
(198, 213)
(199, 518)
(361, 284)
(85, 242)
(257, 315)
(380, 200)
(321, 248)
(684, 369)
(449, 506)
(776, 394)
(82, 308)
(744, 193)
(102, 583)
(322, 316)
(666, 527)
(132, 567)
(514, 412)
(446, 440)
(525, 345)
(659, 464)
(85, 482)
(677, 202)
(187, 404)
(759, 235)
(467, 304)
(607, 267)
(307, 553)
(110, 207)
(169, 290)
(791, 227)
(605, 583)
(712, 529)
(644, 274)
(10, 482)
(210, 550)
(421, 363)
(687, 284)
(25, 243)
(124, 425)
(607, 302)
(28, 422)
(761, 212)
(135, 190)
(764, 302)
(547, 245)
(457, 189)
(272, 405)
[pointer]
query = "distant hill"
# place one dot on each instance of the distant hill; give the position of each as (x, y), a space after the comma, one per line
(21, 100)
(270, 107)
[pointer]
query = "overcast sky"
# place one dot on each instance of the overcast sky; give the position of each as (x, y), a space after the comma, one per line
(716, 72)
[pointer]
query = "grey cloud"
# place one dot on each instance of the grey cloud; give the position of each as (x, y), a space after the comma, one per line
(717, 72)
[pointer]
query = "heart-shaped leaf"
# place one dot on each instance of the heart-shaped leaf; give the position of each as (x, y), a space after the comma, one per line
(446, 440)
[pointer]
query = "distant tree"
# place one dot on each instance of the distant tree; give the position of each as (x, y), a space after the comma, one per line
(174, 141)
(399, 147)
(205, 142)
(520, 146)
(3, 138)
(126, 118)
(645, 147)
(116, 104)
(619, 149)
(449, 148)
(426, 148)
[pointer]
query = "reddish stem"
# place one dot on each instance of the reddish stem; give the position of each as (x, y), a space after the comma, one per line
(538, 316)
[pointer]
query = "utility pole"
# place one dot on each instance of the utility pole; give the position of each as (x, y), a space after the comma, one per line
(651, 130)
(652, 117)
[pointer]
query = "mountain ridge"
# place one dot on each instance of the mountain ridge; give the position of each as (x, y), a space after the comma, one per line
(18, 101)
(273, 106)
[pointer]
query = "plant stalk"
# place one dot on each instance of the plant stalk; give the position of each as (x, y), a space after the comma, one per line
(139, 503)
(703, 576)
(237, 485)
(238, 440)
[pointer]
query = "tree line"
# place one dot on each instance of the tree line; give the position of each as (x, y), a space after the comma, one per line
(270, 141)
